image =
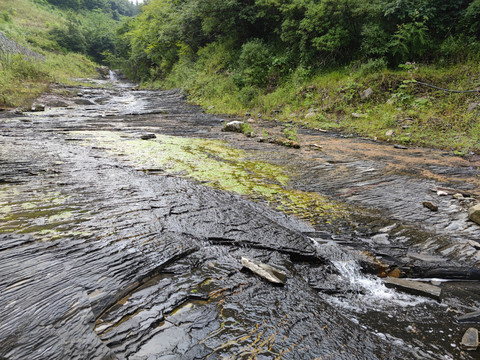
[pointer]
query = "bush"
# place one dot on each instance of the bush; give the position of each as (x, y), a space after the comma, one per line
(253, 64)
(372, 66)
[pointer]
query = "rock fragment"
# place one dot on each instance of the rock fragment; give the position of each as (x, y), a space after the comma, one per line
(470, 340)
(474, 213)
(414, 287)
(389, 133)
(148, 136)
(265, 271)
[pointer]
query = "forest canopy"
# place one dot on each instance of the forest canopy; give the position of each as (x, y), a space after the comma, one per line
(264, 39)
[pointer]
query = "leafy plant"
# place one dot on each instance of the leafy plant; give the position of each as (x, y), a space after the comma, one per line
(290, 132)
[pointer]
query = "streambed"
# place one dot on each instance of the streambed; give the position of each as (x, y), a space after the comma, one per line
(116, 247)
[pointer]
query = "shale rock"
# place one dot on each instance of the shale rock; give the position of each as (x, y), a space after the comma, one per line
(414, 287)
(430, 206)
(472, 317)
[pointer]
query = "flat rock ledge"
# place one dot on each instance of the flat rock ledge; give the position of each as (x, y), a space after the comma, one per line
(414, 287)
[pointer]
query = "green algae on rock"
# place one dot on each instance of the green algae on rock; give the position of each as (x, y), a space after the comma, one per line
(219, 165)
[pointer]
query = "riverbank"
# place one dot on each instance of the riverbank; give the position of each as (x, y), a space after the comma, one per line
(369, 101)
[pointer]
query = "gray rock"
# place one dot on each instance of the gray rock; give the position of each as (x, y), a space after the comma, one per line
(389, 133)
(458, 196)
(364, 95)
(397, 146)
(387, 229)
(234, 126)
(470, 340)
(414, 287)
(381, 239)
(211, 107)
(474, 213)
(265, 271)
(430, 206)
(358, 115)
(473, 317)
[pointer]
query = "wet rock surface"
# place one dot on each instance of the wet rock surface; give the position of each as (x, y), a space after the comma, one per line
(105, 257)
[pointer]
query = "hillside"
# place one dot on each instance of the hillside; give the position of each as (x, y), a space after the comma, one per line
(69, 39)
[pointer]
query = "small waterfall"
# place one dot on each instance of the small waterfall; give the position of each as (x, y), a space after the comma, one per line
(362, 291)
(112, 75)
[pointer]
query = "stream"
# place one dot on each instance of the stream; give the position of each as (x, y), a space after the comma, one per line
(124, 216)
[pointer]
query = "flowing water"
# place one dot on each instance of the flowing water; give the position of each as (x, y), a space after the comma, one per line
(125, 215)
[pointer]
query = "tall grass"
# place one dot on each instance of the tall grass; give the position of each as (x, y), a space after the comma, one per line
(417, 115)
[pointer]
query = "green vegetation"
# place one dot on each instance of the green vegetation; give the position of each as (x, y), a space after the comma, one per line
(296, 55)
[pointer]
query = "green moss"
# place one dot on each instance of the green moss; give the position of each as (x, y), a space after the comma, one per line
(218, 165)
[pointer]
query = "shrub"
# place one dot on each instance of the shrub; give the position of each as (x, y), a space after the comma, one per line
(253, 64)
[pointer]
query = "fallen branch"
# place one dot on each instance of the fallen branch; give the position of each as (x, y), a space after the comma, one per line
(447, 90)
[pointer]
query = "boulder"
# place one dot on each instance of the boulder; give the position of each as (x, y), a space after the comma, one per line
(364, 95)
(430, 206)
(265, 271)
(474, 213)
(470, 340)
(234, 126)
(414, 287)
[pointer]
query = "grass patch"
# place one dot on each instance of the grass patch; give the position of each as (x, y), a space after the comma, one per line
(23, 79)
